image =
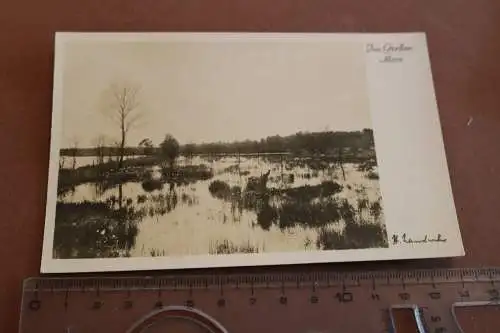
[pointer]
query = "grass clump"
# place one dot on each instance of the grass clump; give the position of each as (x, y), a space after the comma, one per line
(228, 247)
(188, 174)
(157, 253)
(356, 235)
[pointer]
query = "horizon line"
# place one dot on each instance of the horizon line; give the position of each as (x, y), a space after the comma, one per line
(237, 141)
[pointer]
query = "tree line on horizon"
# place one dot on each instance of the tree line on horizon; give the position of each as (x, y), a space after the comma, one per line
(121, 106)
(324, 142)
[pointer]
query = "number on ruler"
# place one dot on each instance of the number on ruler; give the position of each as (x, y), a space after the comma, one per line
(464, 293)
(344, 297)
(314, 299)
(435, 295)
(435, 319)
(253, 300)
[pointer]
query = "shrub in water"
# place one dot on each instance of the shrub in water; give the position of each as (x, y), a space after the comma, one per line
(266, 216)
(376, 209)
(141, 198)
(150, 185)
(220, 189)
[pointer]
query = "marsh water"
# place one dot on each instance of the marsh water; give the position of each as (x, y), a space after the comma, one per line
(189, 219)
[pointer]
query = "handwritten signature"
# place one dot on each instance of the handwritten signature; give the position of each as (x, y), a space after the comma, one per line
(396, 239)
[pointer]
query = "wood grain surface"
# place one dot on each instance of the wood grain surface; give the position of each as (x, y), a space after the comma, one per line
(464, 42)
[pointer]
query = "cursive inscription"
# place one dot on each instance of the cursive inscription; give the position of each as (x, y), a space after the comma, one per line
(388, 48)
(373, 48)
(391, 52)
(389, 58)
(405, 239)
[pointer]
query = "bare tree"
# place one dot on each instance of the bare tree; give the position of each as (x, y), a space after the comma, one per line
(121, 106)
(100, 146)
(341, 161)
(74, 151)
(62, 159)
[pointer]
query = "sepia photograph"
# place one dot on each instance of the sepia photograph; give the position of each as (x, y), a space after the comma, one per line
(183, 147)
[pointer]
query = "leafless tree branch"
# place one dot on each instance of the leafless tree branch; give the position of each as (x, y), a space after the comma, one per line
(124, 111)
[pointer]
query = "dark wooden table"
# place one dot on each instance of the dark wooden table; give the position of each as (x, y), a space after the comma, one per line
(464, 42)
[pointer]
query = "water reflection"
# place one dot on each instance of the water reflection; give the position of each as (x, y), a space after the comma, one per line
(109, 227)
(95, 229)
(248, 205)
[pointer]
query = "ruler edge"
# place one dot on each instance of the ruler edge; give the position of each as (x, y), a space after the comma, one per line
(218, 279)
(368, 274)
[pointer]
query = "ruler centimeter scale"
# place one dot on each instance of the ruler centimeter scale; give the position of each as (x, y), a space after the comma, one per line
(423, 301)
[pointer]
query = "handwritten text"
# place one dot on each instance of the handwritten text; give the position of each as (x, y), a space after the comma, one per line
(405, 239)
(392, 52)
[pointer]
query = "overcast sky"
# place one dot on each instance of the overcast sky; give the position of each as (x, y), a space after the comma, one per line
(215, 91)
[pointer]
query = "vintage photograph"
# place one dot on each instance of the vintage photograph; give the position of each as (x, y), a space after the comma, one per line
(174, 148)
